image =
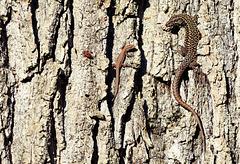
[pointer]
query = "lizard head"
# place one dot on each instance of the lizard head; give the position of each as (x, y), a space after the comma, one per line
(129, 47)
(175, 20)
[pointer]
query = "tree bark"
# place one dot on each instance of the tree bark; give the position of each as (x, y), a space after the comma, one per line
(56, 104)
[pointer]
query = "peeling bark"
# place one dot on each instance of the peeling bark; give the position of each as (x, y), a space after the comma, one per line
(55, 103)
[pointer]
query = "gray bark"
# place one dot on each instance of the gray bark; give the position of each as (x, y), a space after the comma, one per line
(55, 103)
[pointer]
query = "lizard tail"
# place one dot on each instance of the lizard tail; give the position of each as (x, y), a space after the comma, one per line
(187, 107)
(116, 87)
(178, 98)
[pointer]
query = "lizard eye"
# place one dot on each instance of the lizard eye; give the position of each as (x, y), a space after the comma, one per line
(179, 22)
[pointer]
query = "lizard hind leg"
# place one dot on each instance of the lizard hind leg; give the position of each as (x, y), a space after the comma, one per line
(194, 64)
(126, 65)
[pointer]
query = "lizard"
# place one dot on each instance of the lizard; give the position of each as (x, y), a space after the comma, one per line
(119, 64)
(189, 50)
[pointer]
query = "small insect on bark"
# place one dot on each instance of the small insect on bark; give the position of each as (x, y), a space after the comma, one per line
(87, 54)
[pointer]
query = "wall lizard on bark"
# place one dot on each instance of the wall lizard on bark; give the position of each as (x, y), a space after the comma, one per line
(119, 64)
(189, 50)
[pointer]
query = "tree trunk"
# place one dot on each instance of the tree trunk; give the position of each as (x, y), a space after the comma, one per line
(56, 104)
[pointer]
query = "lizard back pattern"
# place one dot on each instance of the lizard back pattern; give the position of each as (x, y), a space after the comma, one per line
(189, 50)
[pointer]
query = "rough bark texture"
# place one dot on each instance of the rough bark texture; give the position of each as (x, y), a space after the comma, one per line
(55, 103)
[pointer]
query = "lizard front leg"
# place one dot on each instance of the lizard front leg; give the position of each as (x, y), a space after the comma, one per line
(183, 51)
(129, 55)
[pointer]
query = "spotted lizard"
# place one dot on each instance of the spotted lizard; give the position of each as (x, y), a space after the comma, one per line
(189, 50)
(119, 64)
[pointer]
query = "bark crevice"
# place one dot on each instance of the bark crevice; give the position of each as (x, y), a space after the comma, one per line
(34, 6)
(95, 145)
